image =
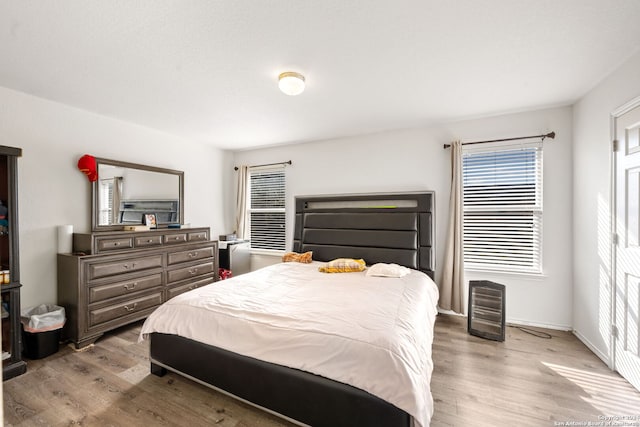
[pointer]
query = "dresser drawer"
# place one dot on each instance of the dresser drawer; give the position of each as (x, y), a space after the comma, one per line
(191, 255)
(114, 244)
(198, 236)
(102, 292)
(175, 238)
(126, 308)
(188, 272)
(128, 265)
(147, 241)
(180, 289)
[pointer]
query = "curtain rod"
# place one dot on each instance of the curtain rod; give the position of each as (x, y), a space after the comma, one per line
(551, 135)
(288, 162)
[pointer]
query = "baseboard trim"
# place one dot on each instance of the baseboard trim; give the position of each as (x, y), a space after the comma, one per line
(450, 312)
(595, 350)
(519, 322)
(515, 322)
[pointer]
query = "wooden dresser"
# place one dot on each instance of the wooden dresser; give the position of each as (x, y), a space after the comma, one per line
(125, 275)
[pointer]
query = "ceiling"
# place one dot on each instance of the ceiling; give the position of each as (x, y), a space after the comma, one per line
(206, 70)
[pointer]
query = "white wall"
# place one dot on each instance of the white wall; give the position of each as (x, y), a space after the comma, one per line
(591, 203)
(52, 191)
(412, 160)
(148, 185)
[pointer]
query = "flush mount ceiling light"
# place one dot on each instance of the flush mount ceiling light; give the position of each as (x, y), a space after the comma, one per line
(291, 83)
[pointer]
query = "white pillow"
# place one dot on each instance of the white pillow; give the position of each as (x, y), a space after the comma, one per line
(387, 270)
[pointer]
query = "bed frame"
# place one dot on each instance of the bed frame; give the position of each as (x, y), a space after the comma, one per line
(391, 228)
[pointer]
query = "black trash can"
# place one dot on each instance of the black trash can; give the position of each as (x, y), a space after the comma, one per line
(41, 330)
(36, 345)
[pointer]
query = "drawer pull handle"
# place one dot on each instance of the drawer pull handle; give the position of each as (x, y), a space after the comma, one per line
(127, 266)
(150, 241)
(126, 307)
(131, 286)
(193, 271)
(193, 254)
(116, 244)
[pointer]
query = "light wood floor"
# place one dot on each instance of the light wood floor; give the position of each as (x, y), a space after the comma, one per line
(524, 381)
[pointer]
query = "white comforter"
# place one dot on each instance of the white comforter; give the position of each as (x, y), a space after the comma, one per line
(374, 333)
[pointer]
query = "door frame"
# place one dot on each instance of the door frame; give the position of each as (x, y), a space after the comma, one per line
(628, 106)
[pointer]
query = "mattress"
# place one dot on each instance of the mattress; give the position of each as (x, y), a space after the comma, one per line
(374, 333)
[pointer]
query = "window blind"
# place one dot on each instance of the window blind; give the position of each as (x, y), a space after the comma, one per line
(502, 197)
(267, 208)
(106, 200)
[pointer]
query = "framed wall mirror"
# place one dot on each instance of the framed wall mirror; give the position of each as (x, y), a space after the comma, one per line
(125, 192)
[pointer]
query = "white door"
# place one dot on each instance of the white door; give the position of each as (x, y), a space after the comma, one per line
(626, 354)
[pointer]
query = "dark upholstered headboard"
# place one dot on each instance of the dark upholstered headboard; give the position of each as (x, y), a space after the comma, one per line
(391, 228)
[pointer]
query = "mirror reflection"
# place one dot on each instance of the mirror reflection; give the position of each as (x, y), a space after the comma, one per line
(125, 192)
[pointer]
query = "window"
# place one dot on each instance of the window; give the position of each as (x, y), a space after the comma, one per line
(105, 187)
(266, 212)
(503, 209)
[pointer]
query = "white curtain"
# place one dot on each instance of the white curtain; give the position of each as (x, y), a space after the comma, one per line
(241, 202)
(452, 285)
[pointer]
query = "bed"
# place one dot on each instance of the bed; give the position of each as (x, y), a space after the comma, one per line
(306, 345)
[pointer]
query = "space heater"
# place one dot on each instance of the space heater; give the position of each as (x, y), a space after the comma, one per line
(486, 309)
